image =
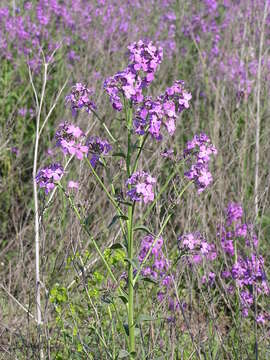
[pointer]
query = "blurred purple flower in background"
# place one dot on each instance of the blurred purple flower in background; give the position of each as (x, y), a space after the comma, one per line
(197, 246)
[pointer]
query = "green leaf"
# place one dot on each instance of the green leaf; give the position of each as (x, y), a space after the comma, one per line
(124, 299)
(117, 246)
(120, 154)
(115, 218)
(128, 203)
(126, 329)
(134, 262)
(143, 228)
(147, 279)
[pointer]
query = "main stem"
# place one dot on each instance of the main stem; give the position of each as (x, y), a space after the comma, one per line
(130, 283)
(131, 328)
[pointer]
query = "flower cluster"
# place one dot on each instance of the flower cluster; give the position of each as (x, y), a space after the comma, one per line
(197, 247)
(145, 58)
(163, 111)
(200, 149)
(128, 83)
(80, 99)
(159, 265)
(234, 213)
(247, 268)
(123, 83)
(177, 95)
(157, 268)
(68, 138)
(47, 176)
(235, 230)
(249, 274)
(140, 186)
(97, 147)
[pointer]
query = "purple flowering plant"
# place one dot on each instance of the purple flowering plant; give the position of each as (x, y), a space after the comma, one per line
(143, 116)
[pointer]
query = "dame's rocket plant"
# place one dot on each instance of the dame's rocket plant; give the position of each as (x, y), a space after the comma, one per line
(143, 116)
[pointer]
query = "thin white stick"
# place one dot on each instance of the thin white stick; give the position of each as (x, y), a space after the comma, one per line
(37, 241)
(52, 108)
(258, 119)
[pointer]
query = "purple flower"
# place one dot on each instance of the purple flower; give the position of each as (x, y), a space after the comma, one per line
(248, 272)
(15, 150)
(155, 114)
(97, 147)
(140, 186)
(209, 278)
(73, 185)
(68, 138)
(157, 264)
(197, 246)
(234, 213)
(145, 58)
(80, 98)
(125, 84)
(22, 112)
(167, 153)
(260, 319)
(48, 176)
(199, 150)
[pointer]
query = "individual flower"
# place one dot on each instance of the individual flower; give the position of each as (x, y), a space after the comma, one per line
(167, 154)
(48, 176)
(197, 153)
(15, 150)
(69, 138)
(140, 186)
(80, 98)
(97, 147)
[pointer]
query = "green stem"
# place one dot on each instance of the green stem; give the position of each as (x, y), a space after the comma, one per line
(129, 126)
(131, 327)
(109, 196)
(119, 214)
(142, 142)
(104, 125)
